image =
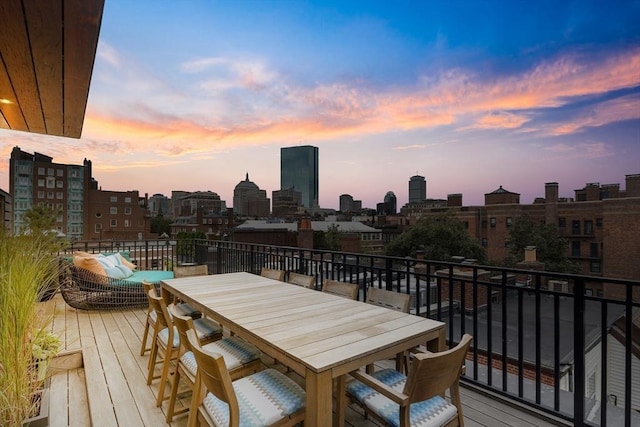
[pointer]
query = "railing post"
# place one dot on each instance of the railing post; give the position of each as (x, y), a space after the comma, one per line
(578, 351)
(388, 277)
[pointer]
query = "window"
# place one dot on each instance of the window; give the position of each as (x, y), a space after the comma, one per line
(75, 173)
(60, 172)
(59, 184)
(127, 199)
(562, 222)
(598, 222)
(40, 194)
(509, 221)
(40, 182)
(484, 223)
(98, 215)
(485, 242)
(49, 194)
(113, 223)
(40, 171)
(51, 182)
(492, 221)
(588, 227)
(113, 199)
(113, 210)
(126, 223)
(593, 250)
(59, 195)
(98, 228)
(127, 211)
(575, 248)
(594, 267)
(575, 227)
(50, 172)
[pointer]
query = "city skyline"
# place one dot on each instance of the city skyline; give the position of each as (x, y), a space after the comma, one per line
(470, 96)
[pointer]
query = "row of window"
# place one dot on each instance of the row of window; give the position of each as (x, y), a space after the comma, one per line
(51, 171)
(206, 221)
(113, 210)
(576, 226)
(112, 223)
(114, 199)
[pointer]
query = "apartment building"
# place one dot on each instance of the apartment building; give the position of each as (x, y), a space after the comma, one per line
(86, 212)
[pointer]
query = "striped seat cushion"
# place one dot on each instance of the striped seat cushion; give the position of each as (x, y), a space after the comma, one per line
(205, 329)
(184, 309)
(263, 398)
(234, 350)
(428, 413)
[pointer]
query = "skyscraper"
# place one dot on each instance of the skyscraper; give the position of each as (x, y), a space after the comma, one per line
(299, 169)
(417, 189)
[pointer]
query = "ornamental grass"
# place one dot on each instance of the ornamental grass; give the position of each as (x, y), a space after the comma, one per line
(27, 267)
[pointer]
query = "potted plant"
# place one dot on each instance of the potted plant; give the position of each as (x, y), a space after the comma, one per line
(26, 264)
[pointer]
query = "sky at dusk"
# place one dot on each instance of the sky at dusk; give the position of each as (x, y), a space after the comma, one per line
(193, 95)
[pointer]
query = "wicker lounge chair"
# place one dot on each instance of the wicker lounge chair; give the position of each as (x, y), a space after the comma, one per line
(86, 290)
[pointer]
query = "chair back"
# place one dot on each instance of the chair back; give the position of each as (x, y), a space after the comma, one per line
(213, 374)
(301, 280)
(272, 273)
(190, 270)
(389, 299)
(183, 324)
(342, 289)
(158, 305)
(432, 374)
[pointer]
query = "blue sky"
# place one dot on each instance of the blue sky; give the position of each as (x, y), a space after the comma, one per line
(192, 95)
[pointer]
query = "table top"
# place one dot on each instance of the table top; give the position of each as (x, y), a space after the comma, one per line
(303, 328)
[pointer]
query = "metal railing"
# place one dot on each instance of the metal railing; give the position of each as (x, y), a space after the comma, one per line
(555, 343)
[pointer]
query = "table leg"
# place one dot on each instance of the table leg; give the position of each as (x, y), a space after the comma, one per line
(319, 388)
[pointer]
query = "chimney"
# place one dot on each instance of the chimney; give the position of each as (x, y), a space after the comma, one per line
(530, 254)
(454, 200)
(551, 203)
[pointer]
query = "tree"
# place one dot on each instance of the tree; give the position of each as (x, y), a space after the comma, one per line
(551, 249)
(40, 218)
(441, 237)
(160, 224)
(328, 240)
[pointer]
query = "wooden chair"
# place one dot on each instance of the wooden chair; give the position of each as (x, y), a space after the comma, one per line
(418, 395)
(272, 273)
(342, 289)
(150, 322)
(301, 280)
(190, 270)
(389, 299)
(166, 341)
(240, 358)
(394, 301)
(219, 401)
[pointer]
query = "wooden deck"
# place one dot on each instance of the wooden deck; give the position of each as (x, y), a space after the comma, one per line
(110, 389)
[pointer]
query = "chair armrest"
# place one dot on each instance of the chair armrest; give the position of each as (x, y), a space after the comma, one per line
(399, 398)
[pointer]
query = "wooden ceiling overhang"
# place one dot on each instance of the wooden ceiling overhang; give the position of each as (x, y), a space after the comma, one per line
(47, 51)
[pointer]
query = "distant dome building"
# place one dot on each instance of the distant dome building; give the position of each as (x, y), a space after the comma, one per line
(389, 206)
(250, 200)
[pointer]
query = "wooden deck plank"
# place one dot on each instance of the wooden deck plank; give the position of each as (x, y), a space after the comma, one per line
(78, 401)
(126, 347)
(123, 402)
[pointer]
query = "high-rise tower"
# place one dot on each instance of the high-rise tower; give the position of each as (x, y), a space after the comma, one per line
(299, 169)
(417, 189)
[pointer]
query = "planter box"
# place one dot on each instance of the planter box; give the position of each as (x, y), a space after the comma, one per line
(42, 418)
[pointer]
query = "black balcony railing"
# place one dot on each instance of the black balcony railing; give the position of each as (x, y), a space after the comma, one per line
(563, 344)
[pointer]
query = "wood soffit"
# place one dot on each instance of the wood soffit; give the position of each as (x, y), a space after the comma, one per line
(47, 51)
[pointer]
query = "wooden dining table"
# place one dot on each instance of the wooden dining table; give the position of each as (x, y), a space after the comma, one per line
(320, 336)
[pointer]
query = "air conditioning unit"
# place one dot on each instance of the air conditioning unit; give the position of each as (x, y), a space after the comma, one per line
(558, 286)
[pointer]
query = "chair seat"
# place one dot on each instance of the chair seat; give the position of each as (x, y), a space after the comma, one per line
(206, 329)
(429, 413)
(184, 309)
(234, 350)
(264, 398)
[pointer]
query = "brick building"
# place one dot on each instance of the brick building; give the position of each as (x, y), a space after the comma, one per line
(86, 211)
(602, 224)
